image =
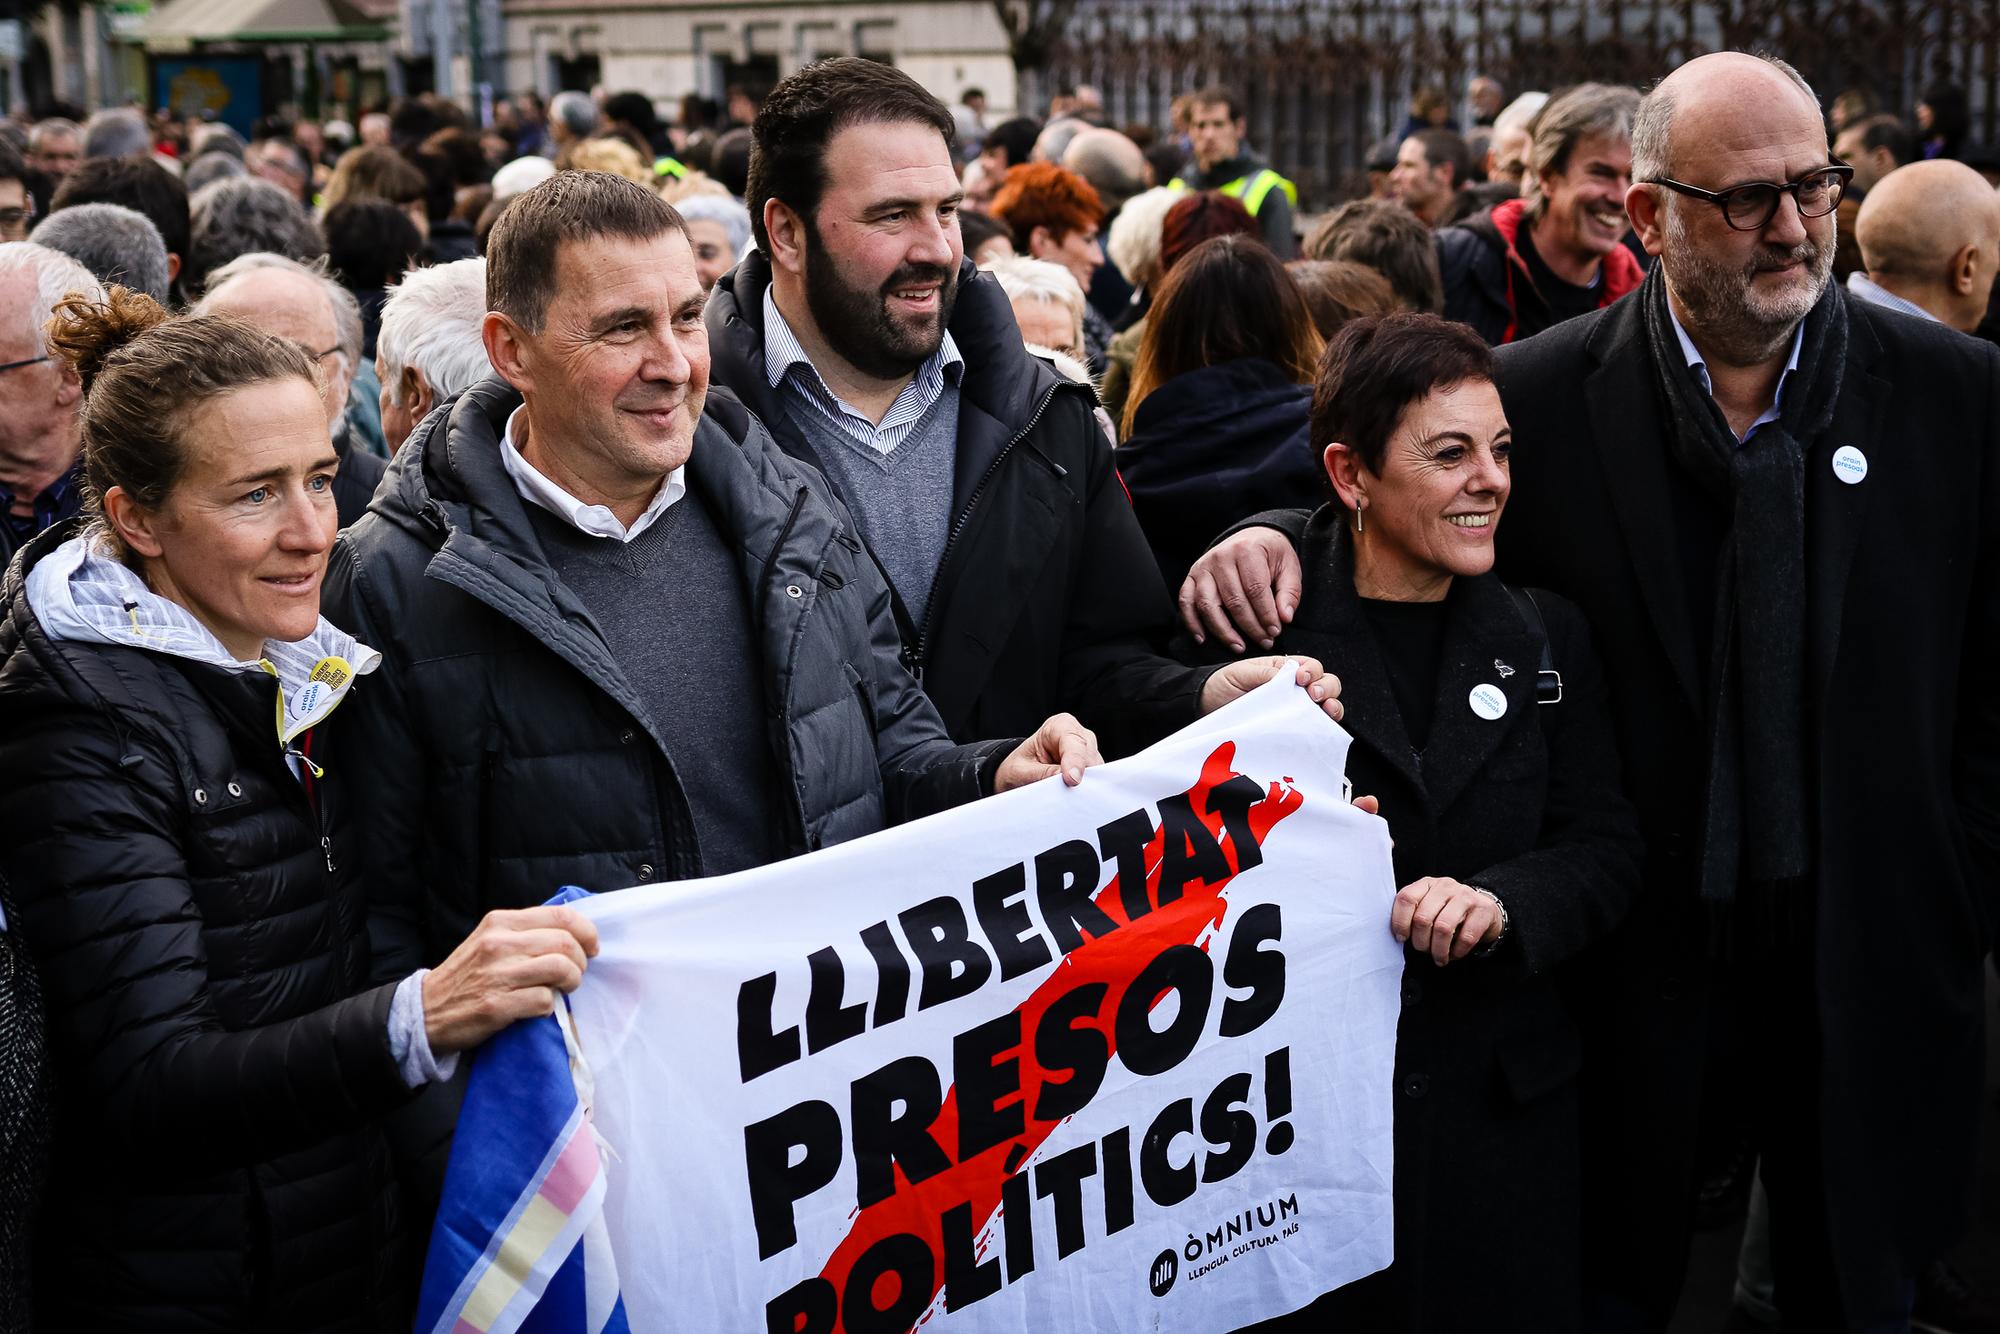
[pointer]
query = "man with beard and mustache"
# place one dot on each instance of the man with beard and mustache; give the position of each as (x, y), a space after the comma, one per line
(977, 474)
(1777, 504)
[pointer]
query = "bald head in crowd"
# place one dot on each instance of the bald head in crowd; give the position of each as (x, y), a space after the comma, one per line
(283, 297)
(1930, 233)
(1112, 163)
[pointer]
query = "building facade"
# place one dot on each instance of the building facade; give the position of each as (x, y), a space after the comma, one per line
(673, 48)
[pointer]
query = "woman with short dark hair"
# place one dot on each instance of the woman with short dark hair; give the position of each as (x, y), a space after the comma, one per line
(1215, 422)
(1479, 720)
(174, 830)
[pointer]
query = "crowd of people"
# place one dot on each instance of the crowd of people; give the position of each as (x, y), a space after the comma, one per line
(655, 499)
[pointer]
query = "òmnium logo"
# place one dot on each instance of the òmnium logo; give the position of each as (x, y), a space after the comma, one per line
(1166, 1268)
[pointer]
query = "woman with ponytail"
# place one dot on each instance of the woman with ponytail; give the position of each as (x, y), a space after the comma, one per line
(174, 832)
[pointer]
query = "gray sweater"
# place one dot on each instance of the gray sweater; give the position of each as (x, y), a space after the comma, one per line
(901, 499)
(671, 607)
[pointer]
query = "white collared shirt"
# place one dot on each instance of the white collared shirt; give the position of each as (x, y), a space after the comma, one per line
(1700, 368)
(596, 520)
(1873, 292)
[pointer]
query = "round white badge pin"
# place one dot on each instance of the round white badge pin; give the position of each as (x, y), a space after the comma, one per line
(1850, 465)
(1489, 702)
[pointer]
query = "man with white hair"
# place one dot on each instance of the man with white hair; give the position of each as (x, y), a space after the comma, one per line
(1048, 305)
(54, 147)
(572, 117)
(41, 437)
(290, 299)
(116, 243)
(719, 228)
(1507, 150)
(430, 348)
(1930, 240)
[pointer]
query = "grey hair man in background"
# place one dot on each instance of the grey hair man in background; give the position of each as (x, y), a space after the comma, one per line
(294, 301)
(117, 132)
(719, 227)
(209, 168)
(1507, 150)
(55, 146)
(115, 243)
(430, 348)
(41, 437)
(240, 216)
(572, 117)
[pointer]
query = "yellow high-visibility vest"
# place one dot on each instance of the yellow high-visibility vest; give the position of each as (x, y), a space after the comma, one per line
(668, 166)
(1252, 190)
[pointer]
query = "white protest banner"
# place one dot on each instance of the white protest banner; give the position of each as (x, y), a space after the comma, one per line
(1112, 1057)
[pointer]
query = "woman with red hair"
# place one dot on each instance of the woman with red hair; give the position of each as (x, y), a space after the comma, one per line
(1054, 215)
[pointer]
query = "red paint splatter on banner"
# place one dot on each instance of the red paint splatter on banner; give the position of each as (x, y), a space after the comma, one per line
(1115, 960)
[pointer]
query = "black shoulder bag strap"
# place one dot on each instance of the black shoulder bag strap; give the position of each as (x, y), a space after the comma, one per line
(1548, 681)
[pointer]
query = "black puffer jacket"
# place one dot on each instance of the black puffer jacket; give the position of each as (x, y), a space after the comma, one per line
(505, 756)
(1047, 598)
(218, 1078)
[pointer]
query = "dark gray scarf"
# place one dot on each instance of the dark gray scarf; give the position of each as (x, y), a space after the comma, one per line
(1757, 828)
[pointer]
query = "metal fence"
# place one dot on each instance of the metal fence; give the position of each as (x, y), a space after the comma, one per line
(1325, 79)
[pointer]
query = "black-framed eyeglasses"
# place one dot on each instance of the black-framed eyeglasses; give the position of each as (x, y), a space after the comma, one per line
(1750, 207)
(25, 361)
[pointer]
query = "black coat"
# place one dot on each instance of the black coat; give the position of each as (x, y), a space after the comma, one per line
(1903, 717)
(1903, 710)
(1212, 446)
(1528, 806)
(504, 752)
(1047, 598)
(360, 473)
(220, 1066)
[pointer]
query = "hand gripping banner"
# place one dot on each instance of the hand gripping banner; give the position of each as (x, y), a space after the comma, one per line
(1113, 1057)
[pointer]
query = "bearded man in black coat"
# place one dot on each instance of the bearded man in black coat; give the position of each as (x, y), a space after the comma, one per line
(1780, 509)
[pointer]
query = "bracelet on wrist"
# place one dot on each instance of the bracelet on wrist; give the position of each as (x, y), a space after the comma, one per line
(1487, 948)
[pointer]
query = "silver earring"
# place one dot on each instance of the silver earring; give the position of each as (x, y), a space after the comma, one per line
(1357, 518)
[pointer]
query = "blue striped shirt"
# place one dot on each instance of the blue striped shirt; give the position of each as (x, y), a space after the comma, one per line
(787, 365)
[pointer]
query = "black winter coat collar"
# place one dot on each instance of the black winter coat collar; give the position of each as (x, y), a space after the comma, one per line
(449, 489)
(1483, 632)
(1634, 458)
